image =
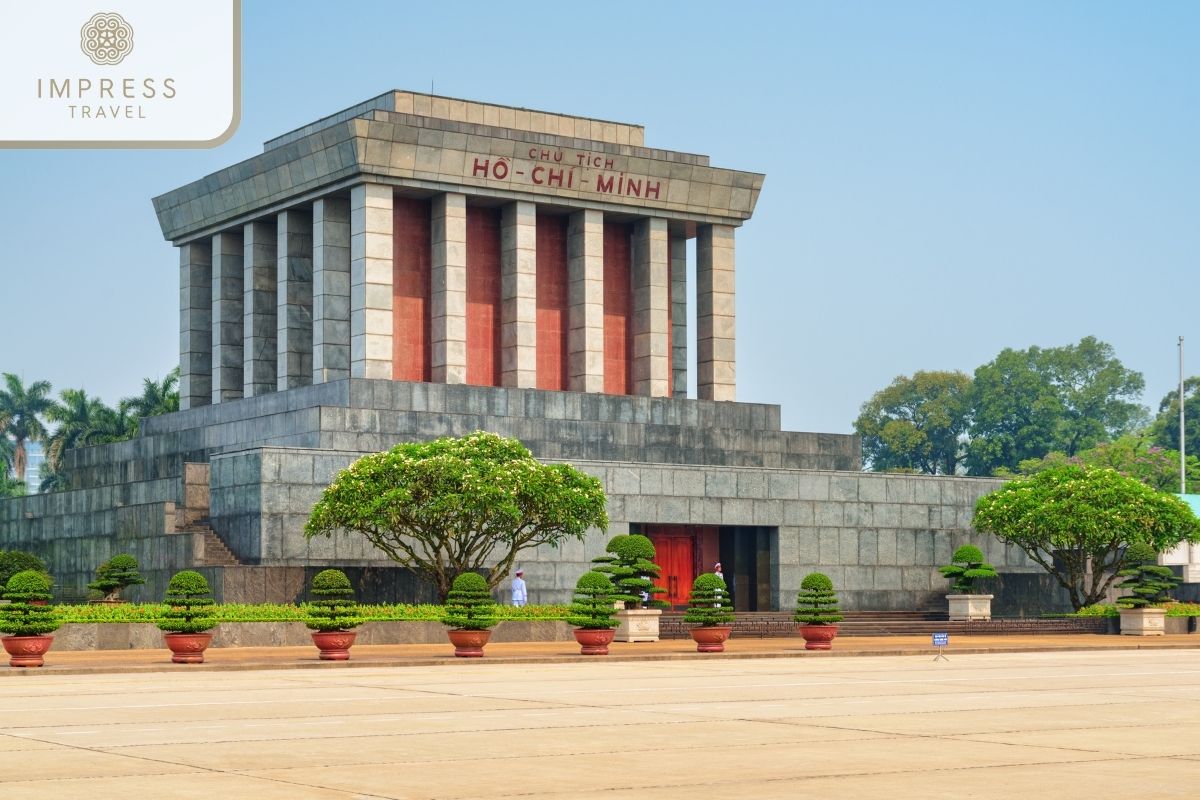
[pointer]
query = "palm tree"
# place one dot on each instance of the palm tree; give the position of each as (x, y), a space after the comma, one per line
(6, 453)
(82, 421)
(21, 408)
(158, 397)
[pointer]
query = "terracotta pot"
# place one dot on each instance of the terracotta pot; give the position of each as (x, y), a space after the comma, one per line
(594, 642)
(711, 638)
(468, 644)
(27, 651)
(818, 637)
(187, 648)
(334, 645)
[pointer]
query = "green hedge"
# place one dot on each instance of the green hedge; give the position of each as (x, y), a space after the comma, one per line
(1108, 610)
(274, 612)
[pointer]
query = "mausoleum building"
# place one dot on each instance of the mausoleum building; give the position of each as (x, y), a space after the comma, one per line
(417, 266)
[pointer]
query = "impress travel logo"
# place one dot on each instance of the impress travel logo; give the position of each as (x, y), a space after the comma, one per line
(139, 73)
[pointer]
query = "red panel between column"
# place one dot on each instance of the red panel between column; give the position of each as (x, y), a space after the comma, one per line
(618, 309)
(411, 254)
(483, 296)
(552, 308)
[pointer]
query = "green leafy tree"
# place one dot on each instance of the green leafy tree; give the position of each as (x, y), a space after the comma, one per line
(967, 566)
(592, 607)
(1030, 402)
(332, 606)
(459, 505)
(816, 602)
(1075, 522)
(708, 604)
(1164, 431)
(26, 613)
(82, 421)
(117, 574)
(469, 605)
(157, 397)
(21, 410)
(1145, 582)
(10, 487)
(1133, 455)
(629, 563)
(917, 424)
(189, 604)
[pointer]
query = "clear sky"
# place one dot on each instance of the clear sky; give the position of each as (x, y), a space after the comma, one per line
(944, 179)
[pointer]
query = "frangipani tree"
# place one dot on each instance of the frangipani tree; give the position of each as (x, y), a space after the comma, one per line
(458, 505)
(1076, 522)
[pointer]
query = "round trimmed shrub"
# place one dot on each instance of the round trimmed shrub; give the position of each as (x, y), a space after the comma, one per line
(469, 605)
(332, 608)
(630, 565)
(1146, 583)
(21, 617)
(966, 566)
(709, 604)
(816, 603)
(116, 574)
(188, 596)
(592, 606)
(14, 561)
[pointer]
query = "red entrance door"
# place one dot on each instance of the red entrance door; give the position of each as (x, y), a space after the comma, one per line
(676, 556)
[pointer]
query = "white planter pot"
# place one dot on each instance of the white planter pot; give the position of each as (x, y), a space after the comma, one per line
(1143, 621)
(637, 625)
(966, 607)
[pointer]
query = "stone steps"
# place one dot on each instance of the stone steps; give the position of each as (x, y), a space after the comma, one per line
(208, 550)
(890, 623)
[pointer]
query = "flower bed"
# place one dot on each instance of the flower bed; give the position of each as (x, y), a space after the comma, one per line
(269, 612)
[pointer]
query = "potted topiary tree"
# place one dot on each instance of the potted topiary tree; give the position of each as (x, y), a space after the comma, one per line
(1147, 585)
(629, 562)
(187, 622)
(118, 573)
(27, 619)
(709, 609)
(967, 566)
(817, 611)
(470, 613)
(331, 615)
(592, 612)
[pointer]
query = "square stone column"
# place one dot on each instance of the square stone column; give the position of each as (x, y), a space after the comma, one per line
(518, 295)
(651, 308)
(294, 316)
(448, 351)
(331, 289)
(258, 284)
(715, 355)
(679, 331)
(195, 324)
(371, 281)
(585, 271)
(227, 325)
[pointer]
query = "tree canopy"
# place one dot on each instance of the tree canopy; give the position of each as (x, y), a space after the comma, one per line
(458, 505)
(1164, 431)
(917, 423)
(1076, 522)
(1132, 455)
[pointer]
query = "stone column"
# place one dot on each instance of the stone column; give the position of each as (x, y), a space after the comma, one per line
(585, 294)
(715, 356)
(258, 284)
(227, 325)
(195, 324)
(371, 281)
(518, 295)
(449, 286)
(331, 289)
(679, 331)
(294, 270)
(651, 309)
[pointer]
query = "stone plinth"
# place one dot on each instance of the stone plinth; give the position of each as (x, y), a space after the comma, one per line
(637, 625)
(966, 607)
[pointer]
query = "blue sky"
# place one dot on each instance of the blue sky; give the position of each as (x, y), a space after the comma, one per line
(943, 179)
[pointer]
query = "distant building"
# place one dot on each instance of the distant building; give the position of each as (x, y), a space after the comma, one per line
(35, 457)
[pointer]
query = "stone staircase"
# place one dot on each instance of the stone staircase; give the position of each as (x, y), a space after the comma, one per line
(208, 550)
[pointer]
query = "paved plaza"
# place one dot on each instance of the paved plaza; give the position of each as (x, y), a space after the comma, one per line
(1092, 724)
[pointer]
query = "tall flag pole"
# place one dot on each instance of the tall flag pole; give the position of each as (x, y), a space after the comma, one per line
(1182, 439)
